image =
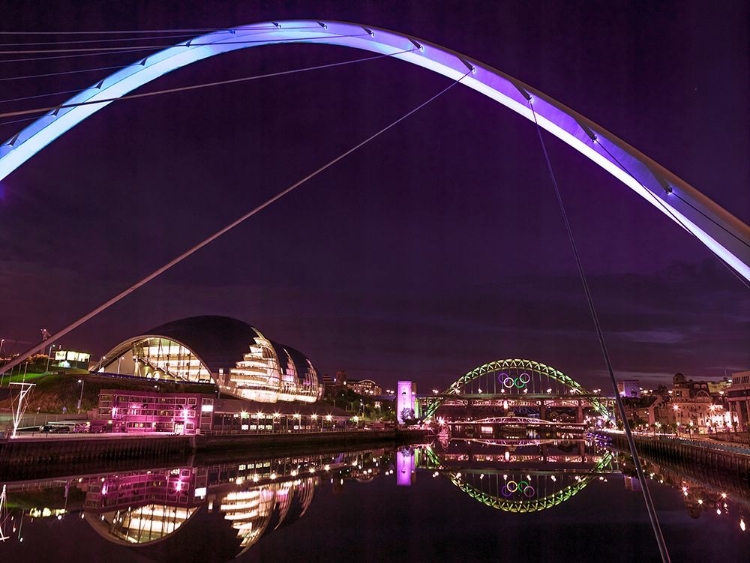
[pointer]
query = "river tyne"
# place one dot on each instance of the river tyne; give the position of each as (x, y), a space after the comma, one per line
(460, 500)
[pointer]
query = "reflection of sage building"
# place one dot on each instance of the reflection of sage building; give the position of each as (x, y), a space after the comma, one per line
(157, 511)
(229, 353)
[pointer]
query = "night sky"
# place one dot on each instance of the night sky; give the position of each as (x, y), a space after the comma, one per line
(436, 248)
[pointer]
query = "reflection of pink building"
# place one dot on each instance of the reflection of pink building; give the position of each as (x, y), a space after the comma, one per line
(406, 470)
(142, 411)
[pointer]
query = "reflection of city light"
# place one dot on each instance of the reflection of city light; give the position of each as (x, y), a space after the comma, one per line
(742, 524)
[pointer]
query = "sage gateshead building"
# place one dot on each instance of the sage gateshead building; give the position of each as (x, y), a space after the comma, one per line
(233, 355)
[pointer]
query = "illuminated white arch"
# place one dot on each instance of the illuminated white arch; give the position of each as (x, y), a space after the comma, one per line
(720, 231)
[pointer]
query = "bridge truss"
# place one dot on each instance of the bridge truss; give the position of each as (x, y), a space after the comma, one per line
(516, 379)
(520, 491)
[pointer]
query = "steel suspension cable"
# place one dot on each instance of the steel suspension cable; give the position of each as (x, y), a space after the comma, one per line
(59, 334)
(199, 86)
(120, 50)
(22, 44)
(603, 345)
(60, 73)
(114, 49)
(135, 31)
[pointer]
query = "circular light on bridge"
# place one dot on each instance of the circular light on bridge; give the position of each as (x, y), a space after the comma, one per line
(524, 375)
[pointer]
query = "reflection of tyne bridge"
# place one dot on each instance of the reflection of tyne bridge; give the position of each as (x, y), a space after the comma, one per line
(230, 505)
(519, 475)
(530, 475)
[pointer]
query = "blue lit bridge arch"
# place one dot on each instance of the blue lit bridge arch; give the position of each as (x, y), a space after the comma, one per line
(518, 381)
(720, 231)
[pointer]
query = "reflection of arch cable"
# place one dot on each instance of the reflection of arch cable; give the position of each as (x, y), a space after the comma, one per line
(600, 335)
(22, 357)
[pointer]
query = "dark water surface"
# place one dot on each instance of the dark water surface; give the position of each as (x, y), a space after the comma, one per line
(463, 501)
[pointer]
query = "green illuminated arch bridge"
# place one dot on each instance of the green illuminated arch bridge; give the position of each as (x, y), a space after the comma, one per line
(521, 491)
(515, 379)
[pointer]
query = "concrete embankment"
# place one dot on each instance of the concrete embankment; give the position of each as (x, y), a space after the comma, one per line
(700, 453)
(53, 455)
(65, 454)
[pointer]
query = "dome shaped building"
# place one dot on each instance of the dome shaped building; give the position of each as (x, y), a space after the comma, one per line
(229, 353)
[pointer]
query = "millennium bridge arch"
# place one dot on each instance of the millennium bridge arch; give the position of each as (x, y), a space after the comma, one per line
(515, 379)
(725, 235)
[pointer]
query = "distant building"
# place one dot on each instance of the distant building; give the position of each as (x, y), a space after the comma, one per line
(630, 388)
(693, 407)
(341, 378)
(738, 399)
(365, 387)
(71, 359)
(329, 385)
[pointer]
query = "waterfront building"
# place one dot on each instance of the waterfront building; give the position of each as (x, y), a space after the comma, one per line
(693, 407)
(738, 400)
(143, 411)
(124, 410)
(228, 353)
(407, 407)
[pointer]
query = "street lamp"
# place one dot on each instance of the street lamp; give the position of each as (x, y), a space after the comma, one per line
(80, 397)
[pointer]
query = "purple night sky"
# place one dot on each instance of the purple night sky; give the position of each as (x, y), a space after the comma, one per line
(436, 248)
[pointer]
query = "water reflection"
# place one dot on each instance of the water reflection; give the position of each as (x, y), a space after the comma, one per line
(156, 511)
(524, 475)
(218, 509)
(715, 495)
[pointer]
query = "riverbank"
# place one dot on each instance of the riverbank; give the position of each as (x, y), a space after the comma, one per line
(58, 454)
(733, 459)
